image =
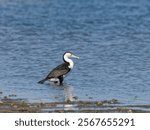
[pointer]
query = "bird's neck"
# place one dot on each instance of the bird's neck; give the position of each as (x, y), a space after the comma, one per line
(71, 64)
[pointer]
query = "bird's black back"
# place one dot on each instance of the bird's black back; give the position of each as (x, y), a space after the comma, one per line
(60, 70)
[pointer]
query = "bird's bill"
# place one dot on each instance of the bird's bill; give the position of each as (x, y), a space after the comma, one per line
(75, 56)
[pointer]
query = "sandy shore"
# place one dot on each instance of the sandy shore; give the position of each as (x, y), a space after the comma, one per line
(8, 105)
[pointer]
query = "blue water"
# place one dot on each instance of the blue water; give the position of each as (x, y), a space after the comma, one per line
(112, 39)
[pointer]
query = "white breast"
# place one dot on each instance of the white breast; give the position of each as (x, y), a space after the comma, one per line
(71, 64)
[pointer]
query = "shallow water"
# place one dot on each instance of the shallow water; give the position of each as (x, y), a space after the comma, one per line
(111, 38)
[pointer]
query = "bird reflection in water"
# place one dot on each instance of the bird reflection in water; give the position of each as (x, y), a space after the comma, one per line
(68, 97)
(68, 93)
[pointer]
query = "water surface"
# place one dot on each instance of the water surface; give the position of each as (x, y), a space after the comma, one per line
(112, 39)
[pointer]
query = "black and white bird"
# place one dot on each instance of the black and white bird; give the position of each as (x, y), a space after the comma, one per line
(59, 73)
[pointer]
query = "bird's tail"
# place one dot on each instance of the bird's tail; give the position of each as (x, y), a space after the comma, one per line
(42, 81)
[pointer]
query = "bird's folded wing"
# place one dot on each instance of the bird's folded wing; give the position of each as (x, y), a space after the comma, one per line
(59, 70)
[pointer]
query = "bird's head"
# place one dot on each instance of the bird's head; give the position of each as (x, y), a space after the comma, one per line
(69, 55)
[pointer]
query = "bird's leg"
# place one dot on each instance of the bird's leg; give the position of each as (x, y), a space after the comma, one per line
(61, 80)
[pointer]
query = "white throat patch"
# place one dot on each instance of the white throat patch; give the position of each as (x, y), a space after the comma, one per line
(71, 64)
